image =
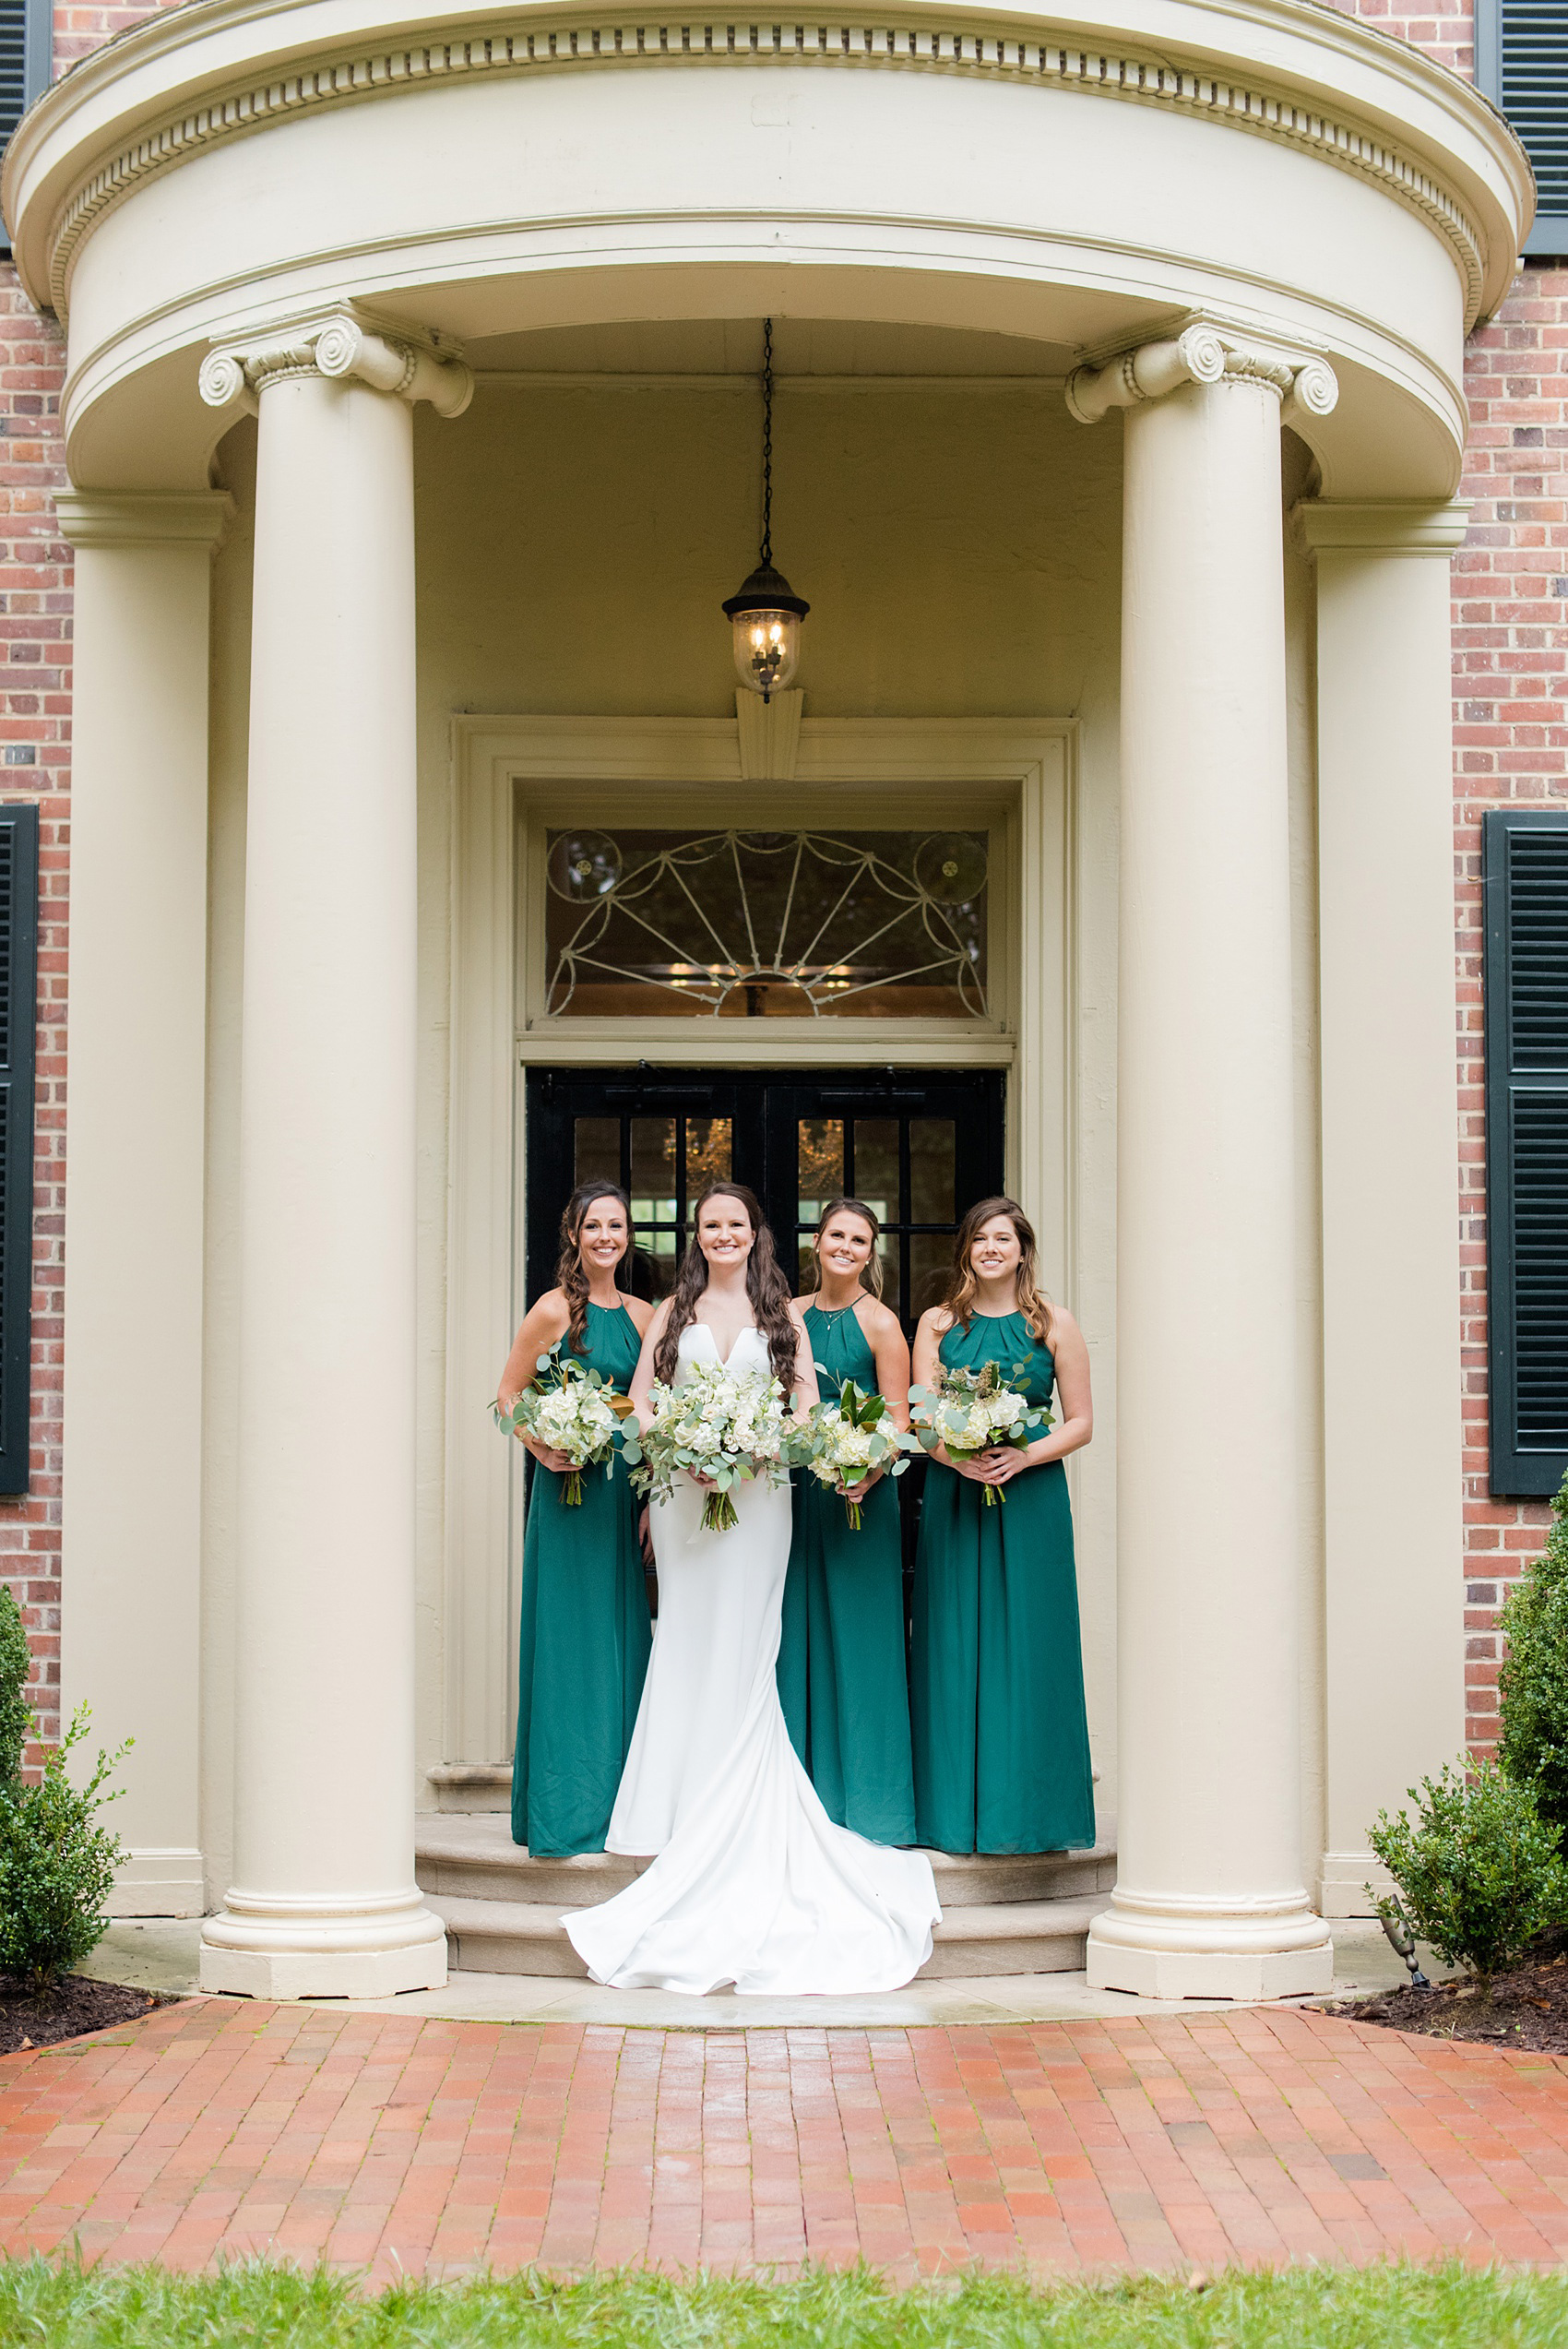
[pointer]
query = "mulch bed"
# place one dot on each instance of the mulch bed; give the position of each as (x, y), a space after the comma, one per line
(1528, 2008)
(73, 2006)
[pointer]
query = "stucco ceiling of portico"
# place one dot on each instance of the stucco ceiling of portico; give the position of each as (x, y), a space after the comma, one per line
(226, 165)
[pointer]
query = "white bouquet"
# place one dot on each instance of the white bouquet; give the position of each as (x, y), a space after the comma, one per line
(971, 1412)
(728, 1429)
(575, 1411)
(849, 1435)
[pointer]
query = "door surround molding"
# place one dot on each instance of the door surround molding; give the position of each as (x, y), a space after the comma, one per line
(1026, 769)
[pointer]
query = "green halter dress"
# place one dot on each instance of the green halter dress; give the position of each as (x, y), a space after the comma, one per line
(841, 1678)
(1001, 1748)
(585, 1634)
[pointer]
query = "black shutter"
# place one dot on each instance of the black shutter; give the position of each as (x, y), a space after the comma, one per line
(13, 66)
(1522, 65)
(19, 1011)
(1526, 856)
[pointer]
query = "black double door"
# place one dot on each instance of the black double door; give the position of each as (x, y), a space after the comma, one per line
(919, 1146)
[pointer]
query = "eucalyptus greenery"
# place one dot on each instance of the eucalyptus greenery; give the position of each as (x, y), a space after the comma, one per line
(1477, 1866)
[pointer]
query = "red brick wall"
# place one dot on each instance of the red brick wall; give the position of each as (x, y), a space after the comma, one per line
(1511, 743)
(1510, 606)
(35, 731)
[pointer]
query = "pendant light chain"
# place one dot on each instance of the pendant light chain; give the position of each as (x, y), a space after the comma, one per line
(766, 443)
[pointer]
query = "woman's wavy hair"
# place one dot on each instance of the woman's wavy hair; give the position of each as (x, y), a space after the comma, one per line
(570, 1278)
(959, 1302)
(765, 1286)
(867, 1215)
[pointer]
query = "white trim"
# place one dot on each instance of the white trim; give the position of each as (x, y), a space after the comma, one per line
(156, 1882)
(1022, 771)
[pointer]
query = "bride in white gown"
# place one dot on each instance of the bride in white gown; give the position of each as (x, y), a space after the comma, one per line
(753, 1885)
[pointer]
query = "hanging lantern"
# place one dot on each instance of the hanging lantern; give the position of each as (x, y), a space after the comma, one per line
(765, 615)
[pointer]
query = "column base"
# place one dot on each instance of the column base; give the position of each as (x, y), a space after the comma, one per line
(1273, 1946)
(268, 1945)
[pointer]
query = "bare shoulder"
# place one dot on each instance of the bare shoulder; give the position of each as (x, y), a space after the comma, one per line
(658, 1316)
(1064, 1331)
(550, 1311)
(798, 1312)
(878, 1320)
(936, 1321)
(642, 1312)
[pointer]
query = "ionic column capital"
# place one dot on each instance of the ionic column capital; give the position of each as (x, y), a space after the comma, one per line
(1204, 352)
(341, 347)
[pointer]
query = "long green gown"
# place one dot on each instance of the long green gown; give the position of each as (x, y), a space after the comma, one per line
(1001, 1748)
(585, 1634)
(841, 1678)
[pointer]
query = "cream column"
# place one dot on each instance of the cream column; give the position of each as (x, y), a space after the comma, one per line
(325, 1902)
(1393, 1497)
(134, 1215)
(1209, 1900)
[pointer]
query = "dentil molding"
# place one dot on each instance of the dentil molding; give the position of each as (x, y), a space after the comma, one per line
(1054, 58)
(1203, 353)
(342, 347)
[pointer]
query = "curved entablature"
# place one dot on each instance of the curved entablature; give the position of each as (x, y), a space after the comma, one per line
(196, 76)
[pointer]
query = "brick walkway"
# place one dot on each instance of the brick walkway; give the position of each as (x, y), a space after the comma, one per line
(217, 2126)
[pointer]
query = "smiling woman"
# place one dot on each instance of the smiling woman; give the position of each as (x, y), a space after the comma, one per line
(752, 1882)
(1001, 1741)
(585, 1634)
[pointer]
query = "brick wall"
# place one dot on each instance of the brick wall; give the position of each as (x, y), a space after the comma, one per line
(1511, 659)
(35, 629)
(1511, 743)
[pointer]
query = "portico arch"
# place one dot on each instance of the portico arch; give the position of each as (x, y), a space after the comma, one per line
(329, 221)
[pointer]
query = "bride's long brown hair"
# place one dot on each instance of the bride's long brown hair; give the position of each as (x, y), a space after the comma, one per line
(765, 1286)
(962, 1286)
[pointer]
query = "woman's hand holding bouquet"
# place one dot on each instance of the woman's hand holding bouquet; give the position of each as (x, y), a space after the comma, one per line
(972, 1412)
(721, 1430)
(572, 1412)
(849, 1438)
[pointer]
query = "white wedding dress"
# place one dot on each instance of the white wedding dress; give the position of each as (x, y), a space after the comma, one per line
(753, 1885)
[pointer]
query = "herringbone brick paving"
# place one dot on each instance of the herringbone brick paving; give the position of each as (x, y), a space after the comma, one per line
(389, 2142)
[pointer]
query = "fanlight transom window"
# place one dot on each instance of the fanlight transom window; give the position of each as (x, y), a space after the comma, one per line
(767, 924)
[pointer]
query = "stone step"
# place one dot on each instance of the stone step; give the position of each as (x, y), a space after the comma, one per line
(1024, 1937)
(472, 1856)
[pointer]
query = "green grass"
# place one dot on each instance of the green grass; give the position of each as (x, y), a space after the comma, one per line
(50, 2305)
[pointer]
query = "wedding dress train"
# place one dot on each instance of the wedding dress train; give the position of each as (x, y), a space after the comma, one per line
(753, 1885)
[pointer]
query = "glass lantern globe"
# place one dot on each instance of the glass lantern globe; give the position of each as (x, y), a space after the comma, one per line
(765, 618)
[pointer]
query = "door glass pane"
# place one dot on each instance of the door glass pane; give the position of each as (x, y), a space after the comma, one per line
(653, 1170)
(931, 1147)
(891, 1287)
(708, 1153)
(657, 1253)
(819, 1156)
(876, 1165)
(596, 1149)
(931, 1264)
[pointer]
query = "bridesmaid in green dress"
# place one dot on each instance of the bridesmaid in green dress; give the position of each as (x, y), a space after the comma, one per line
(1002, 1750)
(841, 1677)
(585, 1629)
